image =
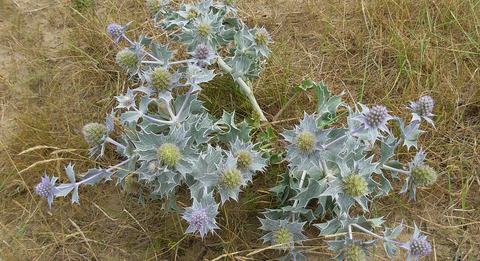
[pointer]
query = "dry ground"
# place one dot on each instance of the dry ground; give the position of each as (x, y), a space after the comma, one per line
(57, 73)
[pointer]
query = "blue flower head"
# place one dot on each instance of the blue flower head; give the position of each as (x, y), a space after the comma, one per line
(422, 109)
(418, 247)
(46, 188)
(201, 216)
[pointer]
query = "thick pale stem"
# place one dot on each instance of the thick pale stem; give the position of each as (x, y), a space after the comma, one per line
(245, 88)
(395, 169)
(375, 235)
(108, 139)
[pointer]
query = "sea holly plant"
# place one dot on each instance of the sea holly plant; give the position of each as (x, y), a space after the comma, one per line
(168, 140)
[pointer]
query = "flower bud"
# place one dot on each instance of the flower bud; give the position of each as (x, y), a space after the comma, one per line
(355, 252)
(204, 30)
(376, 116)
(420, 247)
(192, 13)
(424, 175)
(114, 30)
(261, 36)
(305, 142)
(425, 105)
(355, 185)
(244, 159)
(132, 186)
(169, 154)
(127, 59)
(94, 133)
(160, 79)
(283, 237)
(231, 179)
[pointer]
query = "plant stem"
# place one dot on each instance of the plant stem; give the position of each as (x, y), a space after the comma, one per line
(395, 169)
(245, 88)
(108, 139)
(375, 235)
(153, 119)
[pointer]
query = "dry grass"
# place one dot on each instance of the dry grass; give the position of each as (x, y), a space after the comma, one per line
(59, 74)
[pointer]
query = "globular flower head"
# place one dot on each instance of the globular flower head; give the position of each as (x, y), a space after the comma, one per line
(94, 133)
(376, 116)
(244, 159)
(249, 160)
(374, 119)
(154, 5)
(422, 109)
(159, 79)
(203, 30)
(261, 36)
(115, 30)
(230, 179)
(283, 238)
(201, 216)
(424, 106)
(354, 252)
(282, 233)
(127, 59)
(169, 154)
(202, 51)
(355, 185)
(46, 188)
(424, 175)
(418, 247)
(305, 142)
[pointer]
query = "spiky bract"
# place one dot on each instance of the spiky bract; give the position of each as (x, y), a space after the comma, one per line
(201, 216)
(261, 36)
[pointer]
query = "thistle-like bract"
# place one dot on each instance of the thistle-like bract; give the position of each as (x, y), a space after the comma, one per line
(355, 185)
(114, 30)
(283, 238)
(354, 252)
(231, 179)
(160, 79)
(305, 142)
(94, 133)
(420, 247)
(424, 175)
(169, 154)
(201, 216)
(154, 5)
(204, 30)
(127, 59)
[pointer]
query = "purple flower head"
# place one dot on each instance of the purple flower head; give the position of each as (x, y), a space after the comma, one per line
(418, 247)
(374, 119)
(422, 109)
(202, 51)
(115, 30)
(201, 216)
(46, 188)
